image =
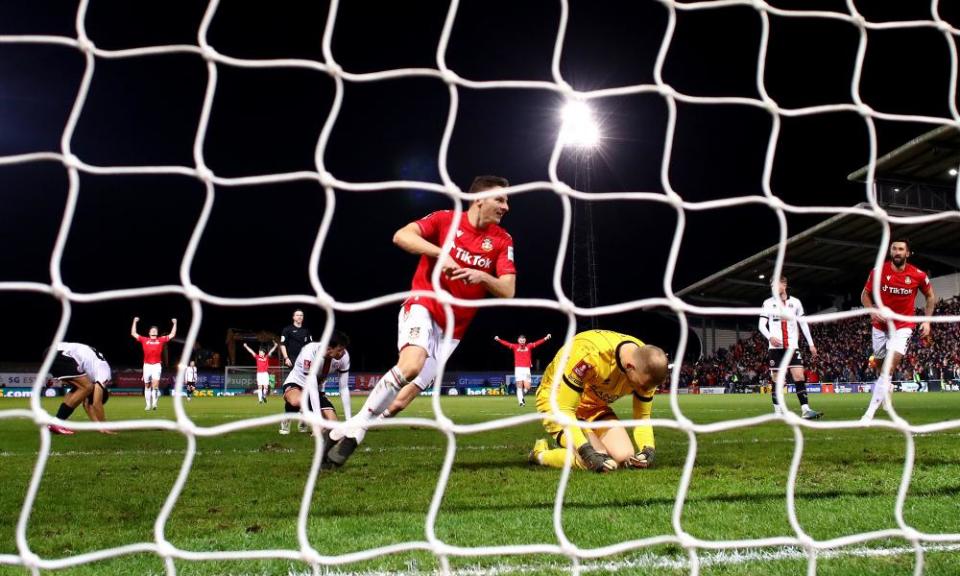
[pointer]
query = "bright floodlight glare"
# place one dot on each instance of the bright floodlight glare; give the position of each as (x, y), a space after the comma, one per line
(953, 171)
(579, 129)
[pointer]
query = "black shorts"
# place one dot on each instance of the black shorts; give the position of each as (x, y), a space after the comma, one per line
(325, 403)
(65, 367)
(776, 356)
(106, 395)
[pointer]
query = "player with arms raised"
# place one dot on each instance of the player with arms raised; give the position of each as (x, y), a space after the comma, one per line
(480, 262)
(152, 359)
(781, 333)
(262, 358)
(603, 366)
(899, 284)
(335, 359)
(521, 362)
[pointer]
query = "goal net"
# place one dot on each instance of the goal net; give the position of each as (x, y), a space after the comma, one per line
(696, 551)
(243, 379)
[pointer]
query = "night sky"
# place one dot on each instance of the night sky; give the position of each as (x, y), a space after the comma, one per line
(131, 231)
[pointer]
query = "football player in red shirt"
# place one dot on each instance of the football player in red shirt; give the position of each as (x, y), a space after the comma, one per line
(152, 359)
(899, 284)
(522, 360)
(479, 263)
(262, 358)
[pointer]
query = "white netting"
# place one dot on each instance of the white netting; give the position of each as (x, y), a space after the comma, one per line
(442, 550)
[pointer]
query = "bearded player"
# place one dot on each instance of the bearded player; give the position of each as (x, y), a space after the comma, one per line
(152, 359)
(603, 366)
(522, 362)
(479, 263)
(335, 359)
(781, 333)
(899, 284)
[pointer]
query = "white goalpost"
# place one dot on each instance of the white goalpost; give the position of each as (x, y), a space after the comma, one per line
(698, 551)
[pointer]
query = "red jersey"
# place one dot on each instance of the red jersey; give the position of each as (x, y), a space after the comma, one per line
(898, 291)
(152, 348)
(262, 363)
(489, 249)
(521, 354)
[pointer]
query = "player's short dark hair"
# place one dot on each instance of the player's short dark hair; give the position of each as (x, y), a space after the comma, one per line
(482, 183)
(903, 239)
(157, 328)
(522, 336)
(300, 310)
(338, 338)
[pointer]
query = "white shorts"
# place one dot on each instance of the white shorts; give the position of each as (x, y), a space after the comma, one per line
(263, 379)
(417, 328)
(151, 372)
(521, 373)
(901, 337)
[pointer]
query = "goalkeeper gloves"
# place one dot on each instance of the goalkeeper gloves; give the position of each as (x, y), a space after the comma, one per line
(596, 461)
(642, 459)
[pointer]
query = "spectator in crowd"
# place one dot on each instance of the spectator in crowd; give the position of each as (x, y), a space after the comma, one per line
(844, 347)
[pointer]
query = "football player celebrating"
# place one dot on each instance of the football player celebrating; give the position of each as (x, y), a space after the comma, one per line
(479, 263)
(522, 362)
(899, 284)
(263, 370)
(152, 359)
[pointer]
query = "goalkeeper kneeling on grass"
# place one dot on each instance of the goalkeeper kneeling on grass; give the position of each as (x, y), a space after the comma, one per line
(603, 366)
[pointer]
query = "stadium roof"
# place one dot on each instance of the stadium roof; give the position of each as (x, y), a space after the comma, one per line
(834, 256)
(926, 159)
(831, 257)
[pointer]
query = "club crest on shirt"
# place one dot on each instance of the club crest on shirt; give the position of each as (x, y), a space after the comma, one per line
(459, 233)
(888, 277)
(486, 245)
(582, 368)
(906, 280)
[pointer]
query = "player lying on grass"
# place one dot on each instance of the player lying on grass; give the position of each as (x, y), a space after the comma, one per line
(335, 359)
(86, 373)
(603, 367)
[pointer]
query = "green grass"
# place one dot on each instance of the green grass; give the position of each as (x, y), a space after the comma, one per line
(245, 488)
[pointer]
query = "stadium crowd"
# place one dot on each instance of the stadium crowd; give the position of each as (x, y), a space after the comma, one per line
(843, 347)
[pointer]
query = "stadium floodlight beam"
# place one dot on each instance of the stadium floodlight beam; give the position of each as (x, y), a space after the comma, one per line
(579, 129)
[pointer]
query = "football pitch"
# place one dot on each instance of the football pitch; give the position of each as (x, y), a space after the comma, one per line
(245, 487)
